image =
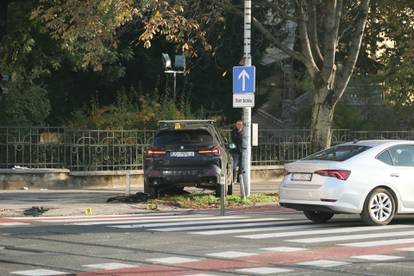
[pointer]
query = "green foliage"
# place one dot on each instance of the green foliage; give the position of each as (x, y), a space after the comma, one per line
(197, 201)
(80, 50)
(92, 29)
(396, 20)
(134, 112)
(26, 50)
(24, 105)
(398, 80)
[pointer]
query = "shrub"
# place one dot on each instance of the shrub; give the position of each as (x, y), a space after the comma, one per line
(24, 105)
(130, 113)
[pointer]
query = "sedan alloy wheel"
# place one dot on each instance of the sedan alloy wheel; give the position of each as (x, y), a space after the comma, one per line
(379, 207)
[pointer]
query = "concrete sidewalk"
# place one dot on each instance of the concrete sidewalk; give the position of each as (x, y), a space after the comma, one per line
(75, 202)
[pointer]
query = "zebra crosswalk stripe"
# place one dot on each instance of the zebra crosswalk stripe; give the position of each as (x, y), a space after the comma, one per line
(353, 237)
(218, 226)
(323, 231)
(378, 243)
(192, 222)
(144, 220)
(8, 224)
(77, 219)
(282, 226)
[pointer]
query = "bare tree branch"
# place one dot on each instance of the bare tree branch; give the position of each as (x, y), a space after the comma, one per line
(333, 17)
(350, 26)
(269, 36)
(313, 33)
(292, 53)
(344, 75)
(304, 38)
(281, 11)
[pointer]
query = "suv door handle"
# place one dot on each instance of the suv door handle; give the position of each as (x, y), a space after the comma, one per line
(395, 175)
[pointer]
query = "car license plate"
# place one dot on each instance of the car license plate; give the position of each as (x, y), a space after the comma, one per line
(181, 172)
(301, 176)
(182, 154)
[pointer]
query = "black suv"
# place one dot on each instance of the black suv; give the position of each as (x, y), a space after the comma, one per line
(187, 153)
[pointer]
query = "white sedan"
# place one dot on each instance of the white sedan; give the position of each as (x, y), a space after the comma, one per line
(373, 178)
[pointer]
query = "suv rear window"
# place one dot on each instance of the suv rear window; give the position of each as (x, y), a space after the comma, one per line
(338, 153)
(199, 137)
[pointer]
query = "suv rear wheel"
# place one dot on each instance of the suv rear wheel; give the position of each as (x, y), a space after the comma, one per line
(230, 183)
(318, 216)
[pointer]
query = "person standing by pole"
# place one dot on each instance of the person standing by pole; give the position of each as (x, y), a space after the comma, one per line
(237, 139)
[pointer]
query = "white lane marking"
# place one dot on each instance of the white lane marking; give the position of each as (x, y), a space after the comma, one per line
(377, 257)
(230, 254)
(377, 243)
(213, 226)
(353, 237)
(172, 260)
(190, 223)
(39, 272)
(108, 266)
(139, 220)
(76, 218)
(8, 224)
(409, 249)
(324, 231)
(202, 274)
(263, 270)
(120, 217)
(324, 263)
(284, 249)
(147, 221)
(282, 227)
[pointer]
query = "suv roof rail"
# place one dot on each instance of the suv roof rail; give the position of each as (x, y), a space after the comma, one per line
(178, 124)
(187, 121)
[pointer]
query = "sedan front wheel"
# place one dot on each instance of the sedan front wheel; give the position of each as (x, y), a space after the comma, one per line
(379, 207)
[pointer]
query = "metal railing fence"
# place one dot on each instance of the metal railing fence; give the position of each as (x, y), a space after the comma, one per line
(97, 150)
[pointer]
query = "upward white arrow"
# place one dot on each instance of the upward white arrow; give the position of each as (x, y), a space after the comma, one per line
(243, 75)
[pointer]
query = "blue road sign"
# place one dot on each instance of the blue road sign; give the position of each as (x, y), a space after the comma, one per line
(244, 79)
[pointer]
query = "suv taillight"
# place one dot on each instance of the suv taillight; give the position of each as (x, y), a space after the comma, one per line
(153, 152)
(210, 152)
(339, 174)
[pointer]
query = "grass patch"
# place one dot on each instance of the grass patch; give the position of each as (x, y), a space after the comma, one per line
(199, 201)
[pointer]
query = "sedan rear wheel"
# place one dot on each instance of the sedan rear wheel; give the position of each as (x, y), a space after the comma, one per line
(318, 216)
(379, 208)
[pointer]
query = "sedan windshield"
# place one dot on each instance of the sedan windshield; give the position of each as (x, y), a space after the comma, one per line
(338, 153)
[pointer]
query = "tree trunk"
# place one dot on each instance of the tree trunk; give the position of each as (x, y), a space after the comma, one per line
(322, 117)
(3, 18)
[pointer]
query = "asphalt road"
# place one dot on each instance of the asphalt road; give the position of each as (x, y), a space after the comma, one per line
(75, 202)
(263, 241)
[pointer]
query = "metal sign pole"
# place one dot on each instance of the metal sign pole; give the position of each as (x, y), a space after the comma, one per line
(128, 183)
(247, 111)
(223, 184)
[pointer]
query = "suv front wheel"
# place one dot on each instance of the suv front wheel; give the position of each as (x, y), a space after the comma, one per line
(218, 190)
(152, 191)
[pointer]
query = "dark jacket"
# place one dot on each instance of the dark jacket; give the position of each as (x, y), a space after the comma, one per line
(237, 139)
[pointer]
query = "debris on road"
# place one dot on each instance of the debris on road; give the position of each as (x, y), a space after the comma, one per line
(138, 197)
(35, 211)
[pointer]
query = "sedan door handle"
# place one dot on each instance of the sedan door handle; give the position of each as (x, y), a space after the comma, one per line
(395, 175)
